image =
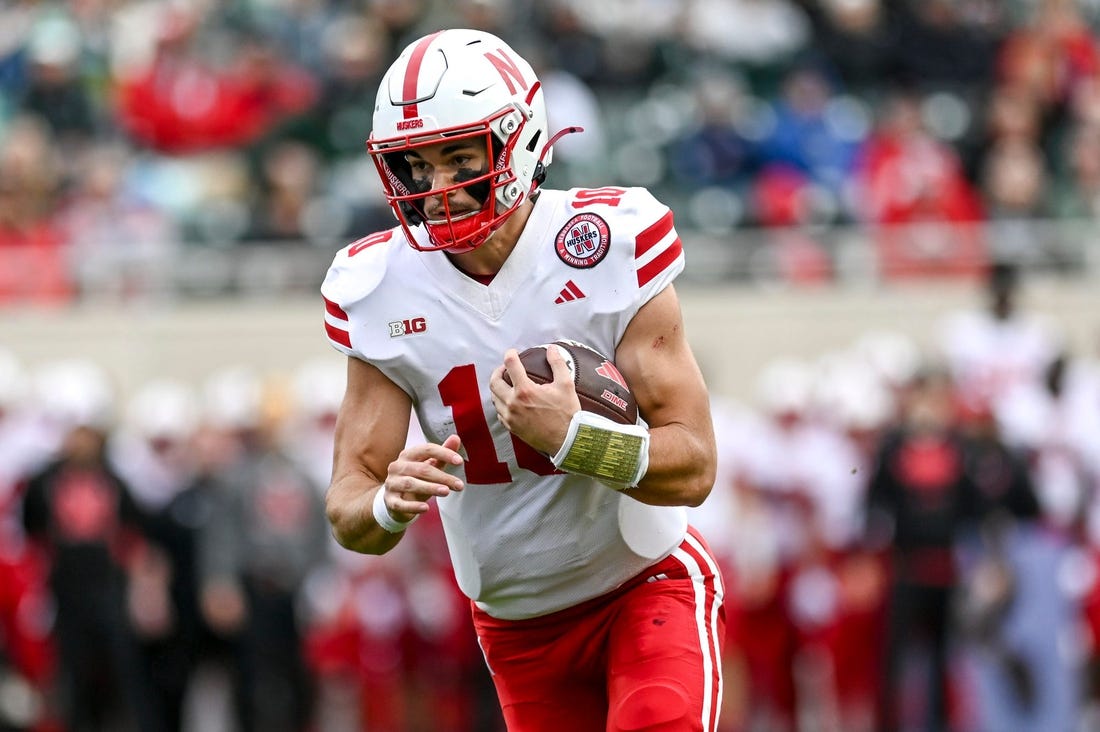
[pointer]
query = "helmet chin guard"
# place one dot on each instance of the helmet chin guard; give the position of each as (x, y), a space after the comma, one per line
(460, 85)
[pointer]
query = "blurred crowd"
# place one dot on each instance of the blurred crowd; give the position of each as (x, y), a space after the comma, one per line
(911, 535)
(910, 539)
(133, 130)
(166, 564)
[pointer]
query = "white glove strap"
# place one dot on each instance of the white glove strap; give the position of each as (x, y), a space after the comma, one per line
(614, 453)
(383, 516)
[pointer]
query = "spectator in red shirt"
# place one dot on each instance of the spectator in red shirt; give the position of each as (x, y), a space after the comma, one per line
(32, 257)
(182, 102)
(907, 176)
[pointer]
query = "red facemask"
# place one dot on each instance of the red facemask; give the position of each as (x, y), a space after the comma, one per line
(456, 233)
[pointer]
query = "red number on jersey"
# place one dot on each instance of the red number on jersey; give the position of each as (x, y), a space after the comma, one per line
(369, 241)
(607, 195)
(460, 391)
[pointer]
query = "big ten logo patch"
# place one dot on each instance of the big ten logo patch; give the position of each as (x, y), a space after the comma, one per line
(583, 241)
(406, 327)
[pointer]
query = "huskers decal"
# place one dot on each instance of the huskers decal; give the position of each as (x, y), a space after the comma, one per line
(584, 241)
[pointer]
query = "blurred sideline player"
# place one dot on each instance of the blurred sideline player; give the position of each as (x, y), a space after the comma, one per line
(595, 604)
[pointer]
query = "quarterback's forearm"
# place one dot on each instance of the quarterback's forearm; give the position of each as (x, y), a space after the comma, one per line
(348, 505)
(682, 466)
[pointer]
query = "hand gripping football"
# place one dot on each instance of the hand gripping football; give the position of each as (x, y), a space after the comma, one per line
(600, 386)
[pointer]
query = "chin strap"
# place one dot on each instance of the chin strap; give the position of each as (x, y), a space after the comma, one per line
(540, 170)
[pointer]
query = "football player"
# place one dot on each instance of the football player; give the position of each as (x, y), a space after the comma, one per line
(596, 605)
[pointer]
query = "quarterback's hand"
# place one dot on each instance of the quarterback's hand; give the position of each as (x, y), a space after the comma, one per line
(417, 475)
(538, 414)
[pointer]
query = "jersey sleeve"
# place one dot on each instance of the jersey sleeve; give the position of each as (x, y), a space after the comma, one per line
(658, 256)
(355, 272)
(643, 255)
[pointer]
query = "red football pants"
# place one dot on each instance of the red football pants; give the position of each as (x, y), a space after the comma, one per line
(644, 657)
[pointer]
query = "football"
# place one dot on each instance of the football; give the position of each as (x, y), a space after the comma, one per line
(600, 386)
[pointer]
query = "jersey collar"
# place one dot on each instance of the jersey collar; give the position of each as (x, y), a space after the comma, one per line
(491, 300)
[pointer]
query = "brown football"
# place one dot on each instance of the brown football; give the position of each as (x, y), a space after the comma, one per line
(600, 386)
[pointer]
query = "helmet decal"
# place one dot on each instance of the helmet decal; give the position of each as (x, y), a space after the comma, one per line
(507, 69)
(412, 75)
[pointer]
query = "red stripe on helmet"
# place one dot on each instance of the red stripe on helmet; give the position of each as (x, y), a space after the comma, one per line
(412, 75)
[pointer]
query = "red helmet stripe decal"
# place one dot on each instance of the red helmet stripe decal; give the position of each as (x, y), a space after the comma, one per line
(412, 75)
(531, 94)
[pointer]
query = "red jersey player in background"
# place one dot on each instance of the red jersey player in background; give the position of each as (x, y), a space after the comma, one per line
(596, 605)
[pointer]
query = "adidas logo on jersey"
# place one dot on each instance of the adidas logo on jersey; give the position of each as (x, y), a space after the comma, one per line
(569, 293)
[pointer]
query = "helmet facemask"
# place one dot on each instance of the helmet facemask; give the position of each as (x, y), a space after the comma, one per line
(495, 187)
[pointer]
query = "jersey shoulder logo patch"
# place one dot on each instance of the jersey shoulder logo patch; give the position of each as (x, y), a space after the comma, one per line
(583, 241)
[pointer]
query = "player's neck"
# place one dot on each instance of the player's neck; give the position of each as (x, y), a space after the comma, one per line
(488, 258)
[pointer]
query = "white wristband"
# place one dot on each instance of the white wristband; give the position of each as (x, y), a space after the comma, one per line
(614, 453)
(384, 518)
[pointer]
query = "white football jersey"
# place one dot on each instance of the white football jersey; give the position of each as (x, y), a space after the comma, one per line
(525, 539)
(988, 357)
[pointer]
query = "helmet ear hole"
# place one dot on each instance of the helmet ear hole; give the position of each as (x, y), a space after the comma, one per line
(534, 141)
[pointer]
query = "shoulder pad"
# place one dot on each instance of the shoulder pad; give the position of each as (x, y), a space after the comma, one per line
(355, 272)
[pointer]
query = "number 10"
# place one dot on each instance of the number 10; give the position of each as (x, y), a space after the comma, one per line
(460, 391)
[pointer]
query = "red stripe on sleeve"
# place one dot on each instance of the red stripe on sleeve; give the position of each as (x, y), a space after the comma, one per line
(660, 264)
(334, 310)
(340, 336)
(412, 75)
(652, 235)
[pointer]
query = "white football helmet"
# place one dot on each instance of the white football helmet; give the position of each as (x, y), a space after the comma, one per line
(461, 84)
